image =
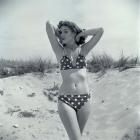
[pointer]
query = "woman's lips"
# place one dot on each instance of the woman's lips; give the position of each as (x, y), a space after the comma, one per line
(63, 39)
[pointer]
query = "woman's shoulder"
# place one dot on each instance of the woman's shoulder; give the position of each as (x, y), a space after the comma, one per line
(60, 54)
(82, 51)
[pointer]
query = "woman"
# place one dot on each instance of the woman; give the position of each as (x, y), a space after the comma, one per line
(68, 43)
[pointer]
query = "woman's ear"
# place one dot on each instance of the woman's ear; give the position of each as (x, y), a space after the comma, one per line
(77, 37)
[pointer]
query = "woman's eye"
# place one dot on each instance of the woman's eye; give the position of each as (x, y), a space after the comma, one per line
(65, 31)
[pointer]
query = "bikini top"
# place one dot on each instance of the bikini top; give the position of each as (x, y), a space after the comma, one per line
(66, 63)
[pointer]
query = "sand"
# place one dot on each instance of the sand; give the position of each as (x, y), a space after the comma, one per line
(29, 112)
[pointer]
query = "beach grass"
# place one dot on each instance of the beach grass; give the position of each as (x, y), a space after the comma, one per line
(18, 67)
(99, 63)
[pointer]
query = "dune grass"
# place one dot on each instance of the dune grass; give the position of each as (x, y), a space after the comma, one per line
(99, 63)
(18, 67)
(105, 62)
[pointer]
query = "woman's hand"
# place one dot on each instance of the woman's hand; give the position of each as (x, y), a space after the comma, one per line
(81, 34)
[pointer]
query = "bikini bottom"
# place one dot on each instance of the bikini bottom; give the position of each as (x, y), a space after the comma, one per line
(74, 101)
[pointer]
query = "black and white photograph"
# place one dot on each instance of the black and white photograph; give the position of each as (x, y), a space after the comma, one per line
(69, 70)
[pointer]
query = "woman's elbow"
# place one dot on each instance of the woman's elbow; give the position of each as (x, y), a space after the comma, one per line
(48, 25)
(101, 30)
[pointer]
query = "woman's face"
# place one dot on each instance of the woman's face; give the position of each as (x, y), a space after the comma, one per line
(66, 36)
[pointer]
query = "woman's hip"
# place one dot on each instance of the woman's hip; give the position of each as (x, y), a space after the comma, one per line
(75, 101)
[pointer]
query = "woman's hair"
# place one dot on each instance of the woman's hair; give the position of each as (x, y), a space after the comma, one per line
(74, 28)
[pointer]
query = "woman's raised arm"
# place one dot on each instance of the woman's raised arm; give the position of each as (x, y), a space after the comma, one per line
(96, 35)
(57, 48)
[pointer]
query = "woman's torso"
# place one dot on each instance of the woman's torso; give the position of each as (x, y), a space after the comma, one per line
(74, 80)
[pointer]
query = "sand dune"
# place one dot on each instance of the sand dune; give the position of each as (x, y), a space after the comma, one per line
(28, 106)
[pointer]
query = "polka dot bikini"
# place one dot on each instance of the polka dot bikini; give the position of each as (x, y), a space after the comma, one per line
(66, 63)
(75, 101)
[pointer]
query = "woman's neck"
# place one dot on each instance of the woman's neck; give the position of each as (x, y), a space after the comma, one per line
(72, 47)
(71, 50)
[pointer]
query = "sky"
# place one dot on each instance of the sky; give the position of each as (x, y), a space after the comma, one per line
(23, 34)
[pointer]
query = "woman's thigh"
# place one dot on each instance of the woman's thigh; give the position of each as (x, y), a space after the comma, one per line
(69, 119)
(83, 114)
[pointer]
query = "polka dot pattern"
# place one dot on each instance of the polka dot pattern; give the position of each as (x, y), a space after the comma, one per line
(75, 101)
(66, 63)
